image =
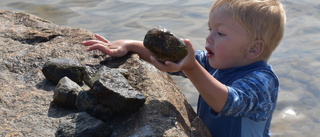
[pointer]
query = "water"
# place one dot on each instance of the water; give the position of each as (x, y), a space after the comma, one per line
(296, 61)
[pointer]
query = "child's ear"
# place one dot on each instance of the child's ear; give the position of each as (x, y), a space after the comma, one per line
(256, 49)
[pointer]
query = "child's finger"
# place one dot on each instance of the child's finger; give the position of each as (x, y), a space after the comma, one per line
(157, 64)
(188, 44)
(99, 47)
(174, 67)
(90, 42)
(101, 38)
(163, 66)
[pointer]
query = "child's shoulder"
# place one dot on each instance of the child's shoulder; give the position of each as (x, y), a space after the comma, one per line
(263, 74)
(260, 68)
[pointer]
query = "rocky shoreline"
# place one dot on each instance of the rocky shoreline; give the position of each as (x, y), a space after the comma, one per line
(27, 42)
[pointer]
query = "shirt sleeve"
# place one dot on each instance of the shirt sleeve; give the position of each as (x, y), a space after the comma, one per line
(253, 96)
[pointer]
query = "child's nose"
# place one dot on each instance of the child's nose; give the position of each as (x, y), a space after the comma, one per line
(209, 39)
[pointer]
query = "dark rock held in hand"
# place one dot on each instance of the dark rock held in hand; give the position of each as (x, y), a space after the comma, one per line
(164, 45)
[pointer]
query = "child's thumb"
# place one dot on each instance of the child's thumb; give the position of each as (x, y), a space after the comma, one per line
(188, 45)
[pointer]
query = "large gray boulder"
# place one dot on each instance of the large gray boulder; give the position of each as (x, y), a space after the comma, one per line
(26, 107)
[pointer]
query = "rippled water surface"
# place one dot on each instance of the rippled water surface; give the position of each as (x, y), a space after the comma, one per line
(296, 61)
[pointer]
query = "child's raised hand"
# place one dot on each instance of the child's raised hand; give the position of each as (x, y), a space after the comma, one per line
(115, 48)
(186, 63)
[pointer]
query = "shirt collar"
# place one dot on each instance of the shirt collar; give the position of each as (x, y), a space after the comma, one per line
(242, 68)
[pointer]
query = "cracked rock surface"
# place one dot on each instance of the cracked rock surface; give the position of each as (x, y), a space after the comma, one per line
(26, 108)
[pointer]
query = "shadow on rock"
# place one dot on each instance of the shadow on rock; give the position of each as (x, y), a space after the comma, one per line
(82, 125)
(55, 111)
(149, 121)
(156, 118)
(115, 62)
(45, 85)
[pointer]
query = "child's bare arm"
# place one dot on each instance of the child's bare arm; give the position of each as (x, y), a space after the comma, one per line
(118, 48)
(212, 91)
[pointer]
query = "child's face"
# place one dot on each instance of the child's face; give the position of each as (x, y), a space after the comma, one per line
(227, 42)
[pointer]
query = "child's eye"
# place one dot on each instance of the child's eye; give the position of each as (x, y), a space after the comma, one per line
(210, 30)
(221, 34)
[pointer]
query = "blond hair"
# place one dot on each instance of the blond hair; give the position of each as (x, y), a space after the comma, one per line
(263, 19)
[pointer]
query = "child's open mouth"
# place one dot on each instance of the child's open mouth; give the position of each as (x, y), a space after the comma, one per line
(209, 53)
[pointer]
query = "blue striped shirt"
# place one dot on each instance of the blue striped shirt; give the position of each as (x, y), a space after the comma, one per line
(253, 92)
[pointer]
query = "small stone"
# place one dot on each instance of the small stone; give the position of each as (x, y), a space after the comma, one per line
(57, 68)
(89, 72)
(112, 90)
(66, 93)
(88, 103)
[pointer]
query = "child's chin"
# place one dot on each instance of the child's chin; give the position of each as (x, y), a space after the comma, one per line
(213, 64)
